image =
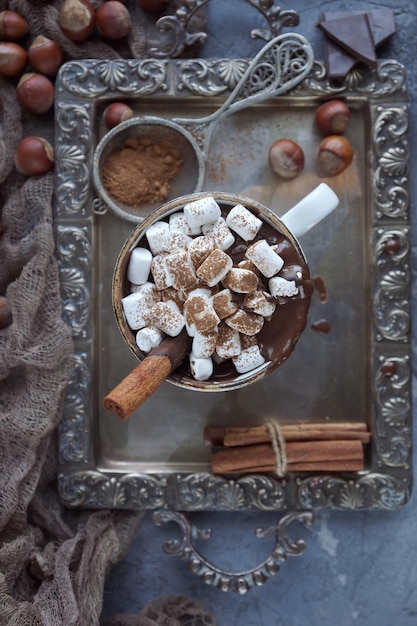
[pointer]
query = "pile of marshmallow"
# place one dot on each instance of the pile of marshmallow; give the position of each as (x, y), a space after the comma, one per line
(187, 280)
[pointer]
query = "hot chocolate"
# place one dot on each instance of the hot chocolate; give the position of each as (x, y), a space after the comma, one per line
(222, 283)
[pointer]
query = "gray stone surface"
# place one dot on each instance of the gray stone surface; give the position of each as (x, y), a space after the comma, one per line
(358, 568)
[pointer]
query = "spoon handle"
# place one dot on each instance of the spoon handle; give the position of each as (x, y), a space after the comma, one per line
(280, 65)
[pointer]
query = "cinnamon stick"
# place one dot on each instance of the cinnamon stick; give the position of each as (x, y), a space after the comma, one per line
(145, 379)
(138, 386)
(214, 435)
(243, 436)
(323, 466)
(244, 458)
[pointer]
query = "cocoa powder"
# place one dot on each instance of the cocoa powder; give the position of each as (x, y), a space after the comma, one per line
(140, 171)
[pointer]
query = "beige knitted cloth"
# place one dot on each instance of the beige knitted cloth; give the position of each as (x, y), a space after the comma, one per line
(47, 552)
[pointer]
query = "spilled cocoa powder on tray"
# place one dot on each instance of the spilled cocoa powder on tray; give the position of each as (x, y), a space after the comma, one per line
(141, 171)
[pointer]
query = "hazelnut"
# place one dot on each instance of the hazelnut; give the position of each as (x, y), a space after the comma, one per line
(34, 155)
(333, 117)
(12, 26)
(35, 93)
(335, 155)
(286, 158)
(117, 112)
(45, 55)
(76, 19)
(113, 20)
(13, 58)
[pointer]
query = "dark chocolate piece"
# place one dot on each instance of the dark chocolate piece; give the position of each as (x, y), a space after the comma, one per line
(338, 61)
(381, 21)
(382, 24)
(354, 35)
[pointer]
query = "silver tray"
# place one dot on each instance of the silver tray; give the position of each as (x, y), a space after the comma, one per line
(360, 370)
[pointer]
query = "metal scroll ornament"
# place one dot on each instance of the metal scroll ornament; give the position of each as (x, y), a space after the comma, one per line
(179, 32)
(242, 581)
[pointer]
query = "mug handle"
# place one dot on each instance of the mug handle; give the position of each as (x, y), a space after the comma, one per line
(314, 207)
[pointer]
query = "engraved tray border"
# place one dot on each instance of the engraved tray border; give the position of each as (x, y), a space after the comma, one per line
(80, 86)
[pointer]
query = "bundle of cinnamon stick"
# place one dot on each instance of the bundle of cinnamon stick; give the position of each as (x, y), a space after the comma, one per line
(309, 447)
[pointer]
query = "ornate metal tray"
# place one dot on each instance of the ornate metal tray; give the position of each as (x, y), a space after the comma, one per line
(360, 370)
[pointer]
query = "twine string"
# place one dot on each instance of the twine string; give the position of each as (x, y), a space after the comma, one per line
(278, 446)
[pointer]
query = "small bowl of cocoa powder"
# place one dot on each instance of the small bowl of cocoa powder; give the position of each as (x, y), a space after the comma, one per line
(144, 162)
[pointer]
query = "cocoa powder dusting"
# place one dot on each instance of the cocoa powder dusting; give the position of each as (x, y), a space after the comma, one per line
(141, 171)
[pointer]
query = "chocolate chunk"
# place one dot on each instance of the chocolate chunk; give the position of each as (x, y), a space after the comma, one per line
(354, 35)
(382, 22)
(339, 61)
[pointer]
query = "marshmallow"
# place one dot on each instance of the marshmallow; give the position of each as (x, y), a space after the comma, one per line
(190, 328)
(220, 232)
(240, 280)
(215, 267)
(260, 302)
(201, 211)
(148, 287)
(177, 241)
(178, 224)
(199, 249)
(246, 323)
(150, 293)
(223, 303)
(243, 222)
(167, 317)
(199, 310)
(245, 264)
(160, 273)
(203, 346)
(172, 295)
(157, 235)
(279, 286)
(200, 287)
(198, 291)
(248, 359)
(263, 256)
(181, 272)
(228, 342)
(137, 309)
(201, 369)
(139, 266)
(149, 337)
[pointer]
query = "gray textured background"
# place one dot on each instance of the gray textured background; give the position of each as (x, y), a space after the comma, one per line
(359, 567)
